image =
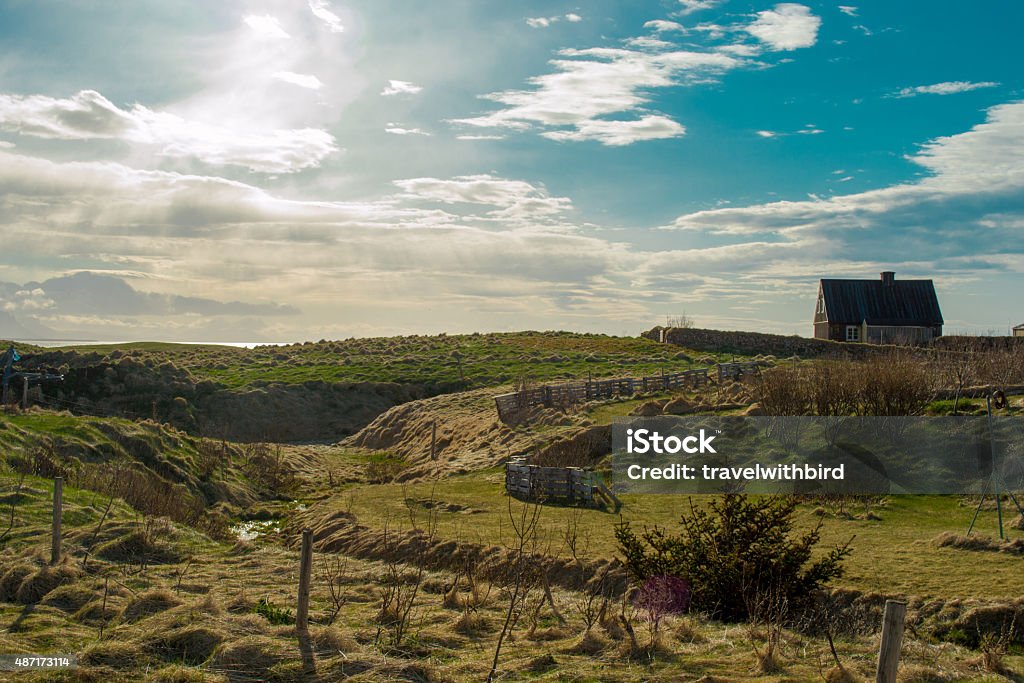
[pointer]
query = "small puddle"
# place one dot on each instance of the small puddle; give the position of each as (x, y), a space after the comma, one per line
(253, 529)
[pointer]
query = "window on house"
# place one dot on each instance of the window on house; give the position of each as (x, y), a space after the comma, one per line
(852, 333)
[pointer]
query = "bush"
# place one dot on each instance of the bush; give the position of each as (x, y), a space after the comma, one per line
(278, 616)
(734, 555)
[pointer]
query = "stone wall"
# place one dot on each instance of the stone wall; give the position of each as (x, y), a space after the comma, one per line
(783, 346)
(744, 343)
(981, 343)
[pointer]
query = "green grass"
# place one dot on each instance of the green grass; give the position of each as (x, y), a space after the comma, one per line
(444, 360)
(893, 555)
(191, 614)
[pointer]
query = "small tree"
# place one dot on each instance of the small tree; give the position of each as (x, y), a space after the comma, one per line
(684, 321)
(741, 548)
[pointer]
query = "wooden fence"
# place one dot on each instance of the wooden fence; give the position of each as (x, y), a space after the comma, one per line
(572, 485)
(570, 393)
(736, 370)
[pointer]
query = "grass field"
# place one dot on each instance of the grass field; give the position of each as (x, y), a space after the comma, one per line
(479, 359)
(192, 612)
(893, 555)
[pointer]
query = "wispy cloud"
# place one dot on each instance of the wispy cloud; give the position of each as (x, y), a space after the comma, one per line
(400, 88)
(396, 129)
(590, 86)
(848, 10)
(618, 133)
(266, 26)
(663, 26)
(307, 81)
(689, 6)
(322, 11)
(545, 22)
(945, 88)
(88, 115)
(788, 26)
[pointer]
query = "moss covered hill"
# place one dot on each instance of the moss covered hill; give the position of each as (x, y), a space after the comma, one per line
(322, 390)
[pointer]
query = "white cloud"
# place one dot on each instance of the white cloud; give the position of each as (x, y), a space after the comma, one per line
(618, 133)
(266, 26)
(321, 10)
(697, 5)
(307, 81)
(573, 18)
(396, 129)
(848, 10)
(400, 88)
(946, 88)
(767, 133)
(483, 189)
(541, 22)
(479, 137)
(590, 85)
(788, 26)
(88, 115)
(663, 26)
(983, 167)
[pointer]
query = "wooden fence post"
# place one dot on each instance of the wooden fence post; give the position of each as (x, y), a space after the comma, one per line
(24, 393)
(892, 639)
(305, 570)
(58, 509)
(433, 440)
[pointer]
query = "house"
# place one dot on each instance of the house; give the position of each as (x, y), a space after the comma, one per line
(1019, 330)
(883, 311)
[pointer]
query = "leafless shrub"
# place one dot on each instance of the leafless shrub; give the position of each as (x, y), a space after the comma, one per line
(768, 609)
(591, 602)
(522, 573)
(333, 572)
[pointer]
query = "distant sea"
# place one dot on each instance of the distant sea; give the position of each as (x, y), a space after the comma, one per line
(53, 343)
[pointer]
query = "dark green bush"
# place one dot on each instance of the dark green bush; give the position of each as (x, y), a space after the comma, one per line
(278, 616)
(735, 556)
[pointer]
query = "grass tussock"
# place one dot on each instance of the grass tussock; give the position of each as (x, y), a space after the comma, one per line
(592, 643)
(838, 674)
(37, 584)
(117, 654)
(69, 597)
(249, 658)
(948, 539)
(923, 673)
(472, 624)
(149, 603)
(191, 644)
(139, 547)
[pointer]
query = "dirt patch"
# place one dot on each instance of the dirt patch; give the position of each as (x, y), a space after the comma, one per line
(442, 506)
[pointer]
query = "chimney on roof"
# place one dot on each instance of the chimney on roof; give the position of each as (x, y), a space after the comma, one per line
(887, 277)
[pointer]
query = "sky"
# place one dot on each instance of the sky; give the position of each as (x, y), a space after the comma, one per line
(288, 170)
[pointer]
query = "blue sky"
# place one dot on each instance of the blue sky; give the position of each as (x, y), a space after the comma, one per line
(286, 170)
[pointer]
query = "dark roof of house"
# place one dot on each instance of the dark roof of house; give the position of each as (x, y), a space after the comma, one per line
(1019, 327)
(897, 302)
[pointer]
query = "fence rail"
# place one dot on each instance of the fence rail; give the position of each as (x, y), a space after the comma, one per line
(573, 485)
(736, 370)
(570, 393)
